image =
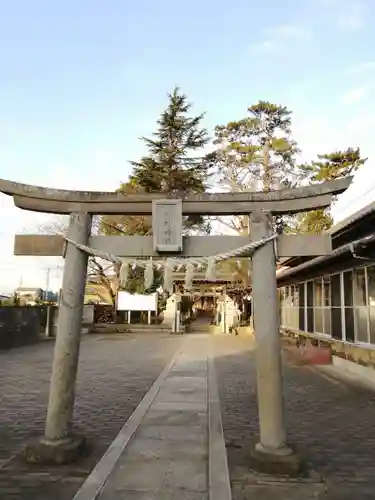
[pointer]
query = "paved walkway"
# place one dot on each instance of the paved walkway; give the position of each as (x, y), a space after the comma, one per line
(330, 423)
(115, 372)
(172, 447)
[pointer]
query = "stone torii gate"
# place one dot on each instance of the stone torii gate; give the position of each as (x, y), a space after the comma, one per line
(58, 444)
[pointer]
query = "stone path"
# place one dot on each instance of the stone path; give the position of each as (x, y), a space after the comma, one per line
(172, 447)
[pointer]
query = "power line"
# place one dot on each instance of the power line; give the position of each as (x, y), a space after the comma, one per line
(352, 200)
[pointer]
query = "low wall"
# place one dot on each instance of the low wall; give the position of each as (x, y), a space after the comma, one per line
(247, 331)
(125, 328)
(356, 353)
(87, 319)
(365, 374)
(106, 314)
(361, 355)
(20, 325)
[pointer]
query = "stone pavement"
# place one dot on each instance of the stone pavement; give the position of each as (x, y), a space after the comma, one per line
(115, 372)
(331, 424)
(172, 447)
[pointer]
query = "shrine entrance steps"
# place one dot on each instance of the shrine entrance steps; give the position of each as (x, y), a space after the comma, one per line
(201, 324)
(200, 328)
(172, 446)
(132, 328)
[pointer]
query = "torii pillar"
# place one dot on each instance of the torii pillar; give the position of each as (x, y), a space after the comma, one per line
(271, 454)
(59, 444)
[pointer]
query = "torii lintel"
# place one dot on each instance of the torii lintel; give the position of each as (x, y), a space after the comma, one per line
(283, 201)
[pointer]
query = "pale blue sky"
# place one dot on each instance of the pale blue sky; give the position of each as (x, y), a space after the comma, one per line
(80, 81)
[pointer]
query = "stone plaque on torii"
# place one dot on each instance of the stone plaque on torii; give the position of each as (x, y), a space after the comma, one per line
(58, 443)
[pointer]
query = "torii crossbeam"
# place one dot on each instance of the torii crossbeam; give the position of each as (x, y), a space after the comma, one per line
(283, 201)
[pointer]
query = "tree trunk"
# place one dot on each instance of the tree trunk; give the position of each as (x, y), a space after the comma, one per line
(267, 181)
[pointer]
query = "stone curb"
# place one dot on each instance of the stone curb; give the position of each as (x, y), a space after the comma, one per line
(218, 473)
(93, 485)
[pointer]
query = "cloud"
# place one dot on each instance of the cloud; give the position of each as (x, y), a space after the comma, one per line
(353, 19)
(362, 124)
(347, 15)
(268, 47)
(356, 94)
(278, 37)
(290, 31)
(364, 67)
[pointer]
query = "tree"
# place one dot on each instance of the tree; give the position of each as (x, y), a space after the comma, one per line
(175, 163)
(98, 271)
(335, 165)
(113, 225)
(328, 167)
(256, 152)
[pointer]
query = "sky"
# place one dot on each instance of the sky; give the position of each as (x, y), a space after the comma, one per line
(81, 82)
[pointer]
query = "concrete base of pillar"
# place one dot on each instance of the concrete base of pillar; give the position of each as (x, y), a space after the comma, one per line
(281, 462)
(58, 452)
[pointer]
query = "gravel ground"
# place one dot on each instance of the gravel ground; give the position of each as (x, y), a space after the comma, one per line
(329, 423)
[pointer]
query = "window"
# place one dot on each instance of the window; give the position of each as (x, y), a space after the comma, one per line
(318, 306)
(293, 312)
(282, 306)
(301, 309)
(327, 304)
(371, 300)
(289, 307)
(341, 305)
(360, 305)
(326, 291)
(336, 327)
(348, 305)
(310, 306)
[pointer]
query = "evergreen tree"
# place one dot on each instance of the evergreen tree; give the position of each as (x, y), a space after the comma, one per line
(112, 225)
(257, 152)
(116, 225)
(328, 167)
(335, 165)
(174, 163)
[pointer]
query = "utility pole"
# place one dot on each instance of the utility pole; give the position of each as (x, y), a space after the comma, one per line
(48, 272)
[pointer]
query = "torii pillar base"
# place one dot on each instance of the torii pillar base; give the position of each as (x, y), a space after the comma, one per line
(61, 451)
(283, 462)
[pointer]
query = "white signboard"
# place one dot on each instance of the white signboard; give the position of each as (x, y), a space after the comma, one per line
(128, 302)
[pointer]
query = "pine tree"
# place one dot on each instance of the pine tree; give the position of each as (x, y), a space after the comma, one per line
(335, 165)
(328, 167)
(257, 152)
